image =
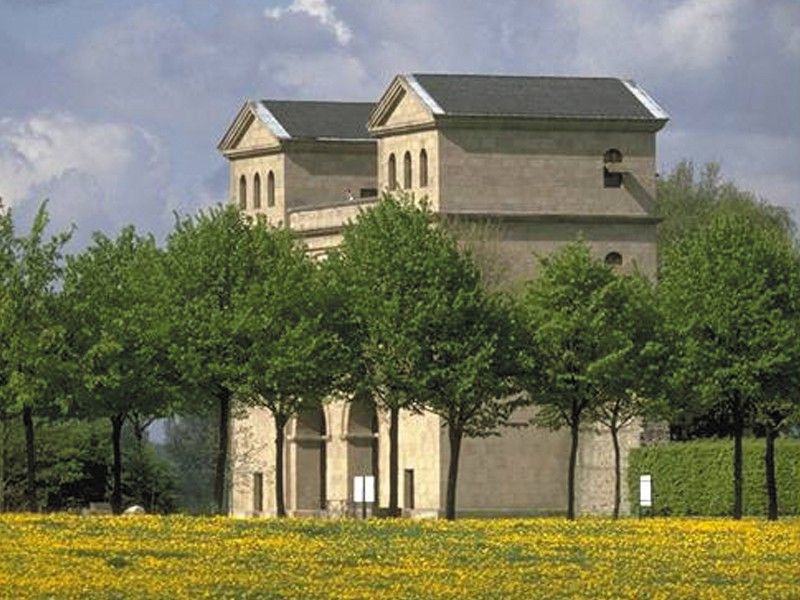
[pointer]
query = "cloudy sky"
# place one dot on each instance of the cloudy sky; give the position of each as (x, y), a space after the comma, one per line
(113, 109)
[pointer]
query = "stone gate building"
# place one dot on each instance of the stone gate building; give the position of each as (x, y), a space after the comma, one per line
(548, 159)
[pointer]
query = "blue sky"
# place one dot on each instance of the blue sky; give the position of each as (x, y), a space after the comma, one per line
(113, 109)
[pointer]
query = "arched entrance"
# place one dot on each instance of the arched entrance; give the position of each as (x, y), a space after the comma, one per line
(310, 458)
(362, 443)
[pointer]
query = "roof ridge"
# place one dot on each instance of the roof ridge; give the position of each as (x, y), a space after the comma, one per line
(293, 101)
(519, 76)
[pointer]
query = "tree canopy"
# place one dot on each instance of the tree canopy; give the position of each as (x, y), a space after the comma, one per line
(576, 312)
(291, 356)
(33, 357)
(729, 294)
(119, 335)
(208, 265)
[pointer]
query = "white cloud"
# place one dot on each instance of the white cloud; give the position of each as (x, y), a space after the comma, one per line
(47, 145)
(317, 9)
(96, 174)
(691, 35)
(697, 32)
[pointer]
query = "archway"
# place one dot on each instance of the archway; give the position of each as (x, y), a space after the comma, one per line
(310, 459)
(362, 443)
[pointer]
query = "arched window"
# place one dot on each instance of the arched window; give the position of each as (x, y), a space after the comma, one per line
(611, 177)
(257, 191)
(362, 443)
(271, 189)
(407, 171)
(423, 168)
(613, 259)
(242, 193)
(391, 173)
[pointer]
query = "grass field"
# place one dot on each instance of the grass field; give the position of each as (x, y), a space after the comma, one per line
(183, 557)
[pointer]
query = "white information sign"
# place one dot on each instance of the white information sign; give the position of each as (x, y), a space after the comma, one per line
(645, 490)
(369, 488)
(364, 488)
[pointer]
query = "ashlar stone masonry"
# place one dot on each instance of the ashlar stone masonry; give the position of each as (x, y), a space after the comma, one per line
(549, 160)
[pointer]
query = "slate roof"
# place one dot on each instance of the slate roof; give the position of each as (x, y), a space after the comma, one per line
(543, 97)
(310, 119)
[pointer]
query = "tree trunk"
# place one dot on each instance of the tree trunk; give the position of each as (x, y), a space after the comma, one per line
(224, 398)
(573, 459)
(738, 433)
(617, 471)
(116, 469)
(30, 458)
(769, 464)
(280, 433)
(455, 436)
(140, 426)
(394, 439)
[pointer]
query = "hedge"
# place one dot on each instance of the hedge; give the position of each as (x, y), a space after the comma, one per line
(696, 478)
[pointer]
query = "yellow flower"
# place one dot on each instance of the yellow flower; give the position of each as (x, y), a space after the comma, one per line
(61, 556)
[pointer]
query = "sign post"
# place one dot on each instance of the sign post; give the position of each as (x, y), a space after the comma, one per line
(364, 492)
(645, 492)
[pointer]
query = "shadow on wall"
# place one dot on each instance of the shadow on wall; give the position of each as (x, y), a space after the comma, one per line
(643, 198)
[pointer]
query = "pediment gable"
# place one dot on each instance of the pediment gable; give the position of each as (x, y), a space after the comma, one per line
(248, 132)
(256, 135)
(401, 106)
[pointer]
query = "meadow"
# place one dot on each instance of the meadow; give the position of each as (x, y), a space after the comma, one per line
(62, 556)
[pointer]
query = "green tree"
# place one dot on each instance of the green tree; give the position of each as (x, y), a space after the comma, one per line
(424, 332)
(6, 266)
(470, 359)
(119, 336)
(33, 358)
(72, 458)
(776, 413)
(568, 312)
(628, 376)
(686, 202)
(291, 357)
(209, 268)
(149, 479)
(385, 256)
(730, 301)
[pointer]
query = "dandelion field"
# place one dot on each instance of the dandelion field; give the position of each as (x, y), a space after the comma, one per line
(185, 557)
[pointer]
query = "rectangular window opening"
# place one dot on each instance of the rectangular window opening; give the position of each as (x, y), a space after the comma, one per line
(408, 488)
(258, 492)
(611, 180)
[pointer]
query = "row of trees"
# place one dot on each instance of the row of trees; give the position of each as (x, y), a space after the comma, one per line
(233, 313)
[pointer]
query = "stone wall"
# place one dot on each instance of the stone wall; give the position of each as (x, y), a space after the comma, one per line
(545, 172)
(540, 189)
(413, 143)
(521, 472)
(261, 164)
(321, 173)
(252, 451)
(594, 491)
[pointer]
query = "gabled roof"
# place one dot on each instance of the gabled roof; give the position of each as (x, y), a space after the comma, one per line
(321, 120)
(302, 120)
(533, 97)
